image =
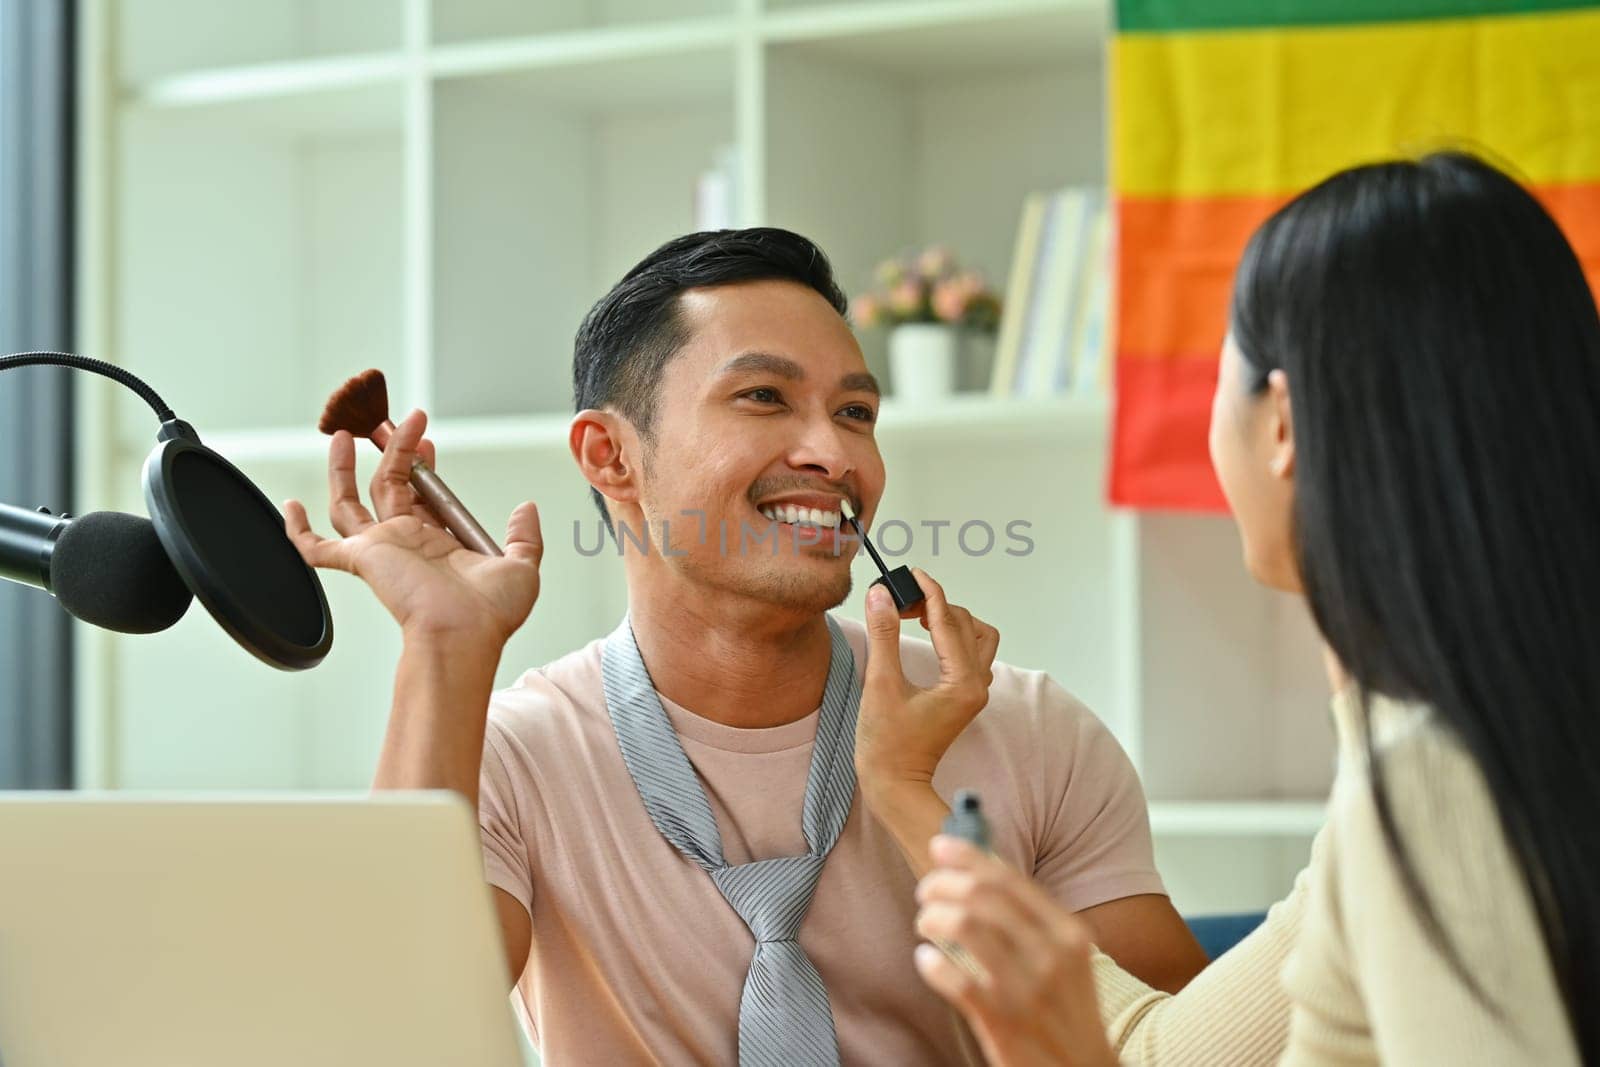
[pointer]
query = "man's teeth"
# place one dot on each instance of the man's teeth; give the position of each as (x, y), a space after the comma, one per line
(801, 516)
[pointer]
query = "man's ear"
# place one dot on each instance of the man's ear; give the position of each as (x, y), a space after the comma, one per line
(1282, 426)
(602, 442)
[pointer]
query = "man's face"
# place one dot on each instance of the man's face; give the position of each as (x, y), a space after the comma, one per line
(768, 407)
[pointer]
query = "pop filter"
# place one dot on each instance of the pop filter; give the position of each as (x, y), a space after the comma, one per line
(222, 535)
(227, 542)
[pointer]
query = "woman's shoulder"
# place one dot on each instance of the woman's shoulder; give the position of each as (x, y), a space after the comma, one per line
(1471, 882)
(1436, 798)
(1448, 831)
(1448, 845)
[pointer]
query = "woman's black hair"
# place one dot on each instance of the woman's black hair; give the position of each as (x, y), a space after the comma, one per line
(1442, 350)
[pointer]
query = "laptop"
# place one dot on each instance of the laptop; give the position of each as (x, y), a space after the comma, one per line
(150, 931)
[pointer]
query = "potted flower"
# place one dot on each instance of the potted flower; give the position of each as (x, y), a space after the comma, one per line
(928, 302)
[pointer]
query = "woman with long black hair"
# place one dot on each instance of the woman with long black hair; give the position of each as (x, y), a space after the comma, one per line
(1407, 428)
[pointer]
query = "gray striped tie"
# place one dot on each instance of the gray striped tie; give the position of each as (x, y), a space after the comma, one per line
(784, 1017)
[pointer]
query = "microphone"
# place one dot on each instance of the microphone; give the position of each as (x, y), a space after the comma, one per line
(216, 533)
(106, 568)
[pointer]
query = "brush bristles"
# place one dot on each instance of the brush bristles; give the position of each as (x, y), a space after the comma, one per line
(846, 510)
(358, 407)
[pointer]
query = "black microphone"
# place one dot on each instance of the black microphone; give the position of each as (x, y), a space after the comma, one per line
(106, 568)
(218, 533)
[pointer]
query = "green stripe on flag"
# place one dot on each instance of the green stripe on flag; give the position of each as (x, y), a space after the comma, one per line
(1134, 16)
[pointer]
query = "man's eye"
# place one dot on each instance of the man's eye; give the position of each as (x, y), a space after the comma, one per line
(860, 412)
(764, 395)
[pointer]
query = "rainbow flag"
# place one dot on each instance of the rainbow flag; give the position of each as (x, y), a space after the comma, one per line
(1223, 109)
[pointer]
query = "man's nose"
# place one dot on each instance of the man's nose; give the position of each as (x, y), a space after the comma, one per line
(824, 447)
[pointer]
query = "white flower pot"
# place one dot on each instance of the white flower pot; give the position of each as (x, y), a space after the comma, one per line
(923, 359)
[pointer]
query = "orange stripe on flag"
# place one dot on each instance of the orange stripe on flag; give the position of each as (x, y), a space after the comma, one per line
(1177, 257)
(1159, 450)
(1577, 209)
(1175, 269)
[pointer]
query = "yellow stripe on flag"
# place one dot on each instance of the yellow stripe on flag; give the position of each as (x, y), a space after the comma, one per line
(1270, 112)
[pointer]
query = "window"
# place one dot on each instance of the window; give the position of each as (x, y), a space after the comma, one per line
(36, 187)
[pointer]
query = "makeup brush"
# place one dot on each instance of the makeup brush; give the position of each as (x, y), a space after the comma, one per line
(900, 582)
(361, 406)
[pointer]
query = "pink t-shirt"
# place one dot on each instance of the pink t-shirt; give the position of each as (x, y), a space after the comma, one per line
(637, 958)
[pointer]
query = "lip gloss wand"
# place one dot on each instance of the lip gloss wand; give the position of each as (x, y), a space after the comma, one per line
(900, 582)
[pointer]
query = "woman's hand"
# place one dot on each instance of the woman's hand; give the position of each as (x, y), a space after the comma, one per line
(430, 583)
(902, 731)
(1033, 1002)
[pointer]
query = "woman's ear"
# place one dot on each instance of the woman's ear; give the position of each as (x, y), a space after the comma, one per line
(1282, 426)
(600, 441)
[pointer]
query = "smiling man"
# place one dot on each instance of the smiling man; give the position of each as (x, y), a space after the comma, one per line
(704, 832)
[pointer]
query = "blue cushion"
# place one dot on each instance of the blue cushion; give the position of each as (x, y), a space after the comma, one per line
(1218, 933)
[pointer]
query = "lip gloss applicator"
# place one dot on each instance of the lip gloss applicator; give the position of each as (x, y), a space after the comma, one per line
(900, 582)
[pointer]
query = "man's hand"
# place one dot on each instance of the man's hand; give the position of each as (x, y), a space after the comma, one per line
(430, 583)
(456, 608)
(902, 732)
(1031, 1000)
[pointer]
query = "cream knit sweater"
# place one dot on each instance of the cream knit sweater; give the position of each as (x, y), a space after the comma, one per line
(1341, 972)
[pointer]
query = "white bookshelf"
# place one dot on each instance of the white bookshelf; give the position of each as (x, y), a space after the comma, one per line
(280, 193)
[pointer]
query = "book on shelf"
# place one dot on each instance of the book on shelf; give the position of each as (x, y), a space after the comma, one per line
(1052, 330)
(1013, 311)
(1091, 334)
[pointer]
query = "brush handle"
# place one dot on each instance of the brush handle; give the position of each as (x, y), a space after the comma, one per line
(445, 504)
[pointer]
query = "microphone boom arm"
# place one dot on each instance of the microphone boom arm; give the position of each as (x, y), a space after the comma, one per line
(95, 366)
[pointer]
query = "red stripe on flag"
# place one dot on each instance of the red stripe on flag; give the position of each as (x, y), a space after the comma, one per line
(1160, 458)
(1176, 260)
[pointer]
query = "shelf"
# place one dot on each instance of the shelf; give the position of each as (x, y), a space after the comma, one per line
(153, 40)
(1278, 818)
(284, 108)
(970, 416)
(929, 41)
(268, 81)
(961, 418)
(576, 66)
(455, 21)
(581, 48)
(698, 68)
(923, 41)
